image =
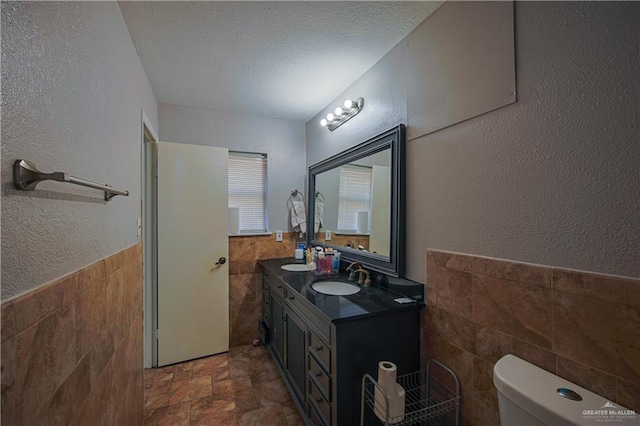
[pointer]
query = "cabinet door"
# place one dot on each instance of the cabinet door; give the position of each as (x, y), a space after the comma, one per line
(266, 303)
(277, 327)
(296, 350)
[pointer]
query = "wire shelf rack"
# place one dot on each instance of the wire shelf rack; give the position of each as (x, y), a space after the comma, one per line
(432, 397)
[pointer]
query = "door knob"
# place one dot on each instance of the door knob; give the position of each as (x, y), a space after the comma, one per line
(221, 261)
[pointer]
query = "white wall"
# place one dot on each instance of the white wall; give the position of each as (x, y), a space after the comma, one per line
(281, 140)
(384, 92)
(551, 179)
(72, 92)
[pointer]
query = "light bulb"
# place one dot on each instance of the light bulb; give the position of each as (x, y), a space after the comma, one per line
(339, 111)
(324, 122)
(330, 117)
(349, 104)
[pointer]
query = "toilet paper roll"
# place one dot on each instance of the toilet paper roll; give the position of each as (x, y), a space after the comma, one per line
(387, 372)
(362, 218)
(234, 220)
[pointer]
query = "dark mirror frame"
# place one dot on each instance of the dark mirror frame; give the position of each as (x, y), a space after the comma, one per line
(394, 139)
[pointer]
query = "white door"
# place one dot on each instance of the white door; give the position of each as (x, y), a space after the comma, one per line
(193, 281)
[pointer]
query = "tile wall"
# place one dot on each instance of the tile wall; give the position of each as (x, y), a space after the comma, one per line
(72, 350)
(245, 280)
(344, 239)
(581, 326)
(245, 277)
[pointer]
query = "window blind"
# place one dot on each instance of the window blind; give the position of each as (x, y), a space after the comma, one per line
(354, 195)
(248, 189)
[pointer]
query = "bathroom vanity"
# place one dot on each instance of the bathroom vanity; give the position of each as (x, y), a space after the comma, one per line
(324, 344)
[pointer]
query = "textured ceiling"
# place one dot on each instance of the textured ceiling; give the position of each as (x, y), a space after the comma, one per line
(283, 60)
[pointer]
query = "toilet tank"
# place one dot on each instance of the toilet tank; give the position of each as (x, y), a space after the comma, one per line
(530, 396)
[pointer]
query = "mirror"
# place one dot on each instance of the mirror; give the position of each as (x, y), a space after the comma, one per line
(359, 199)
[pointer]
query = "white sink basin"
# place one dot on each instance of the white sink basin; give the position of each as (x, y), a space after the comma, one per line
(295, 267)
(335, 288)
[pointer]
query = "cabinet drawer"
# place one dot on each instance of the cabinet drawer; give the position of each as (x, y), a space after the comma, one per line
(322, 379)
(316, 399)
(320, 351)
(275, 285)
(321, 325)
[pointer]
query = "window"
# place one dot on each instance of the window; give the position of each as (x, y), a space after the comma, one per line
(354, 195)
(248, 189)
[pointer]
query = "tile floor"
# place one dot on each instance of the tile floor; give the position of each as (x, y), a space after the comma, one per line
(241, 387)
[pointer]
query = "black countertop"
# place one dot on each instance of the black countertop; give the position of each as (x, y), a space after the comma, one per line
(370, 301)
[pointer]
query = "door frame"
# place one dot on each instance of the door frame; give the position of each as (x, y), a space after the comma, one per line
(148, 160)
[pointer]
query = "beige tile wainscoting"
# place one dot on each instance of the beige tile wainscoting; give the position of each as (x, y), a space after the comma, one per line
(582, 326)
(245, 280)
(351, 240)
(72, 349)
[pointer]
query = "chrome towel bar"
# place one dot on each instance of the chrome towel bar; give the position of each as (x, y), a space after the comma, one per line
(26, 176)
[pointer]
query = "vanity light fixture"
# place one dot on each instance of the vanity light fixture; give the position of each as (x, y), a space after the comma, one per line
(341, 115)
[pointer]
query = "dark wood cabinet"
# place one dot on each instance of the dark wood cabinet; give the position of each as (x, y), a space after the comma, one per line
(323, 360)
(296, 350)
(276, 327)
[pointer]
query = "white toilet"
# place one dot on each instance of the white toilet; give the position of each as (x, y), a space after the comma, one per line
(531, 396)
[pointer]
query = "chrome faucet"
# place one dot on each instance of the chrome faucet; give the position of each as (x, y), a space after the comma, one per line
(352, 268)
(361, 278)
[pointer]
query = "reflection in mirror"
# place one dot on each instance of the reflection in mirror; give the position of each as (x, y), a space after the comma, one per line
(358, 198)
(353, 201)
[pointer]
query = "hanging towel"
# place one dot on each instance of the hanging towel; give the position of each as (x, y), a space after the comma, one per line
(318, 217)
(298, 216)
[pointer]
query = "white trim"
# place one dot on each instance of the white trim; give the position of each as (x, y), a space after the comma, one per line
(149, 291)
(147, 122)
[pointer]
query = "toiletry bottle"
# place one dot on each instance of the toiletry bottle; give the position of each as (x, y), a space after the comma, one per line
(311, 265)
(320, 262)
(330, 263)
(335, 268)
